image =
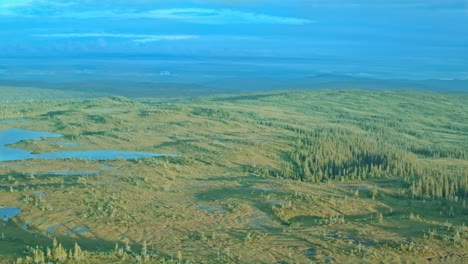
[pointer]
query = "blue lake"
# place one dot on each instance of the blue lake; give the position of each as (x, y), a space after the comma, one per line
(6, 213)
(13, 136)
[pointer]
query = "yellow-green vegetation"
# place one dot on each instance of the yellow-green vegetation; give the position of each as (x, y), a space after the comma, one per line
(326, 176)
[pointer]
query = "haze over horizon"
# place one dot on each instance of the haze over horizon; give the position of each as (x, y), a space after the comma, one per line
(200, 41)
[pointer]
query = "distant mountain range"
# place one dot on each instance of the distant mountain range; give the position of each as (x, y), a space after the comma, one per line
(233, 85)
(329, 81)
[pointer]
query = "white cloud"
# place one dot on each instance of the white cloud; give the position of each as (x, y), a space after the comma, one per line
(73, 9)
(16, 7)
(194, 15)
(7, 4)
(202, 15)
(140, 38)
(38, 72)
(165, 73)
(169, 37)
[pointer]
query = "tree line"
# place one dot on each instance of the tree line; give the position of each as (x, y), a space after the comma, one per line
(338, 154)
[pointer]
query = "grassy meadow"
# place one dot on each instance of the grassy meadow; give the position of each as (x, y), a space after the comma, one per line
(323, 176)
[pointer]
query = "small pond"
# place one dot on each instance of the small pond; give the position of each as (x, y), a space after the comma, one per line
(77, 230)
(6, 213)
(68, 173)
(212, 209)
(13, 121)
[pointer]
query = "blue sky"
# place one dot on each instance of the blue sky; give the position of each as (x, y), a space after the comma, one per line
(416, 39)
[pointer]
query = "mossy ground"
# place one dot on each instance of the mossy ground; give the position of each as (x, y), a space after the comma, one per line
(205, 206)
